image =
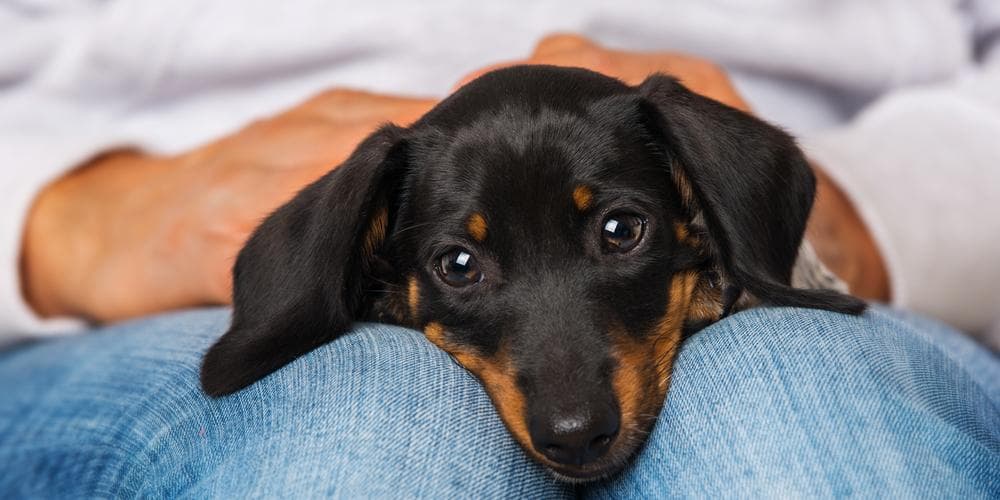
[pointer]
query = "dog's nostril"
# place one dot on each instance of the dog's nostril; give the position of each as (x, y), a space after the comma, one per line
(574, 440)
(599, 441)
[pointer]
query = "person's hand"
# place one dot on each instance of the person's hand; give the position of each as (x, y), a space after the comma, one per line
(835, 230)
(129, 234)
(699, 75)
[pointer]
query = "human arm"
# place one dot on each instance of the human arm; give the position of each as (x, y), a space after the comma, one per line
(131, 233)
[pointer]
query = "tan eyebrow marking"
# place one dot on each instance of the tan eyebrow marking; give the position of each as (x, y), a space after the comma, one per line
(582, 197)
(476, 226)
(670, 327)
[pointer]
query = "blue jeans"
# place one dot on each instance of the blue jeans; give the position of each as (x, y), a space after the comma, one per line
(769, 402)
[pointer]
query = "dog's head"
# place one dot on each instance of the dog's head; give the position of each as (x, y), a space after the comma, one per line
(554, 230)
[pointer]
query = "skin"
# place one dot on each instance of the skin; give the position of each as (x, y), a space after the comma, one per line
(158, 233)
(154, 233)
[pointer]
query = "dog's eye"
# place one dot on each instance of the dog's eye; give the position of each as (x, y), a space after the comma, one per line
(458, 267)
(621, 232)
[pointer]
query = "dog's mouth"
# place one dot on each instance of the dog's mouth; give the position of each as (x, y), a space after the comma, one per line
(623, 447)
(583, 473)
(622, 450)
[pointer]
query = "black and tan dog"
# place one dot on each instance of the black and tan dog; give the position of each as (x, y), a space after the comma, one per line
(556, 231)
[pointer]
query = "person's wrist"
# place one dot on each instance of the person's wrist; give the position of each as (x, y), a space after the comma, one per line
(67, 229)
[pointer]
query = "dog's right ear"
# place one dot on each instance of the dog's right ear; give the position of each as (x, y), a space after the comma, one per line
(298, 282)
(749, 181)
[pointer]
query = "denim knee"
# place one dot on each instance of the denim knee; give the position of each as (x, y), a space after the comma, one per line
(778, 402)
(379, 411)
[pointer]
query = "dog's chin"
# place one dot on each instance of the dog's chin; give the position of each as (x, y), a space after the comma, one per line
(585, 473)
(606, 466)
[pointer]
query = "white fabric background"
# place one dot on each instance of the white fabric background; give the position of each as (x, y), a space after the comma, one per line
(898, 99)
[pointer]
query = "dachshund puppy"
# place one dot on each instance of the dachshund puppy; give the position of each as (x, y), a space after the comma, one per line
(556, 231)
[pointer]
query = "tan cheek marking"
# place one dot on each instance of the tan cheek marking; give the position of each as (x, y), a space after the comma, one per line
(413, 297)
(476, 226)
(682, 232)
(706, 303)
(582, 198)
(644, 365)
(498, 376)
(376, 231)
(632, 375)
(500, 379)
(435, 333)
(670, 327)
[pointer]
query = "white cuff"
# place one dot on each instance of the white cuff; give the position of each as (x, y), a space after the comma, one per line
(922, 169)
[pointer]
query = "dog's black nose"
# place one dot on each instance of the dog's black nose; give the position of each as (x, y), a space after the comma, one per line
(574, 439)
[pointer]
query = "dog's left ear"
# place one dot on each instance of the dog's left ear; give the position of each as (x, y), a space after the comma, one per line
(750, 182)
(298, 282)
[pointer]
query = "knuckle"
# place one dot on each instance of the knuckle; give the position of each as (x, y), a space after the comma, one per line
(560, 42)
(335, 97)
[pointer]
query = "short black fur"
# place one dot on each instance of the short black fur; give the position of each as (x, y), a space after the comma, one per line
(298, 282)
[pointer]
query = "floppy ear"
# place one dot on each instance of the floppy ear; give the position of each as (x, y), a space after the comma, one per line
(298, 282)
(752, 185)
